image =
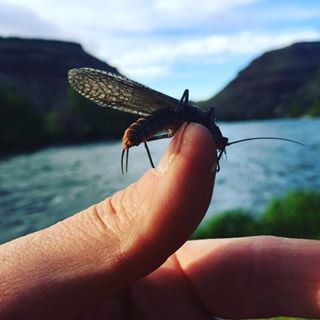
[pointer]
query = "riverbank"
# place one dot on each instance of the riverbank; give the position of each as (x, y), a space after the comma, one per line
(296, 215)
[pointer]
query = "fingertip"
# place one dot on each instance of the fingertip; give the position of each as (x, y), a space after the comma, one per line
(184, 182)
(196, 133)
(192, 145)
(198, 145)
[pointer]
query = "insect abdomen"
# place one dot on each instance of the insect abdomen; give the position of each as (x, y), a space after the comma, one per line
(148, 126)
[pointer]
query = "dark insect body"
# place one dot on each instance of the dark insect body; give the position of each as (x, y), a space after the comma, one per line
(169, 120)
(160, 113)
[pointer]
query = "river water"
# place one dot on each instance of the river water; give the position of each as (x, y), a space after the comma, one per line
(41, 188)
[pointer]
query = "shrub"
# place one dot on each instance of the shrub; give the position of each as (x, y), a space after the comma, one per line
(314, 110)
(20, 125)
(296, 215)
(232, 223)
(96, 122)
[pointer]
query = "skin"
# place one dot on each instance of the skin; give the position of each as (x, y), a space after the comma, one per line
(127, 257)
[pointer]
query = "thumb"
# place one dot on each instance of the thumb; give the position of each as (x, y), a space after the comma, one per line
(70, 266)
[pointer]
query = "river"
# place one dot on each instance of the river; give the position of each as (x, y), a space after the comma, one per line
(41, 188)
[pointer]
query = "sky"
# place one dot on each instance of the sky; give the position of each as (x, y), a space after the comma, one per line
(169, 45)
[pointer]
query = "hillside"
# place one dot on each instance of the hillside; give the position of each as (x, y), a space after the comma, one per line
(37, 105)
(279, 83)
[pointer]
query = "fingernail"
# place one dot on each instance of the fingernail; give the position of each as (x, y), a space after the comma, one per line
(179, 141)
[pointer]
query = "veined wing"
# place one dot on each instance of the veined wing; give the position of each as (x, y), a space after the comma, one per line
(115, 91)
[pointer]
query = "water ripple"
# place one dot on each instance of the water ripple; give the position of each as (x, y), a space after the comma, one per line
(39, 189)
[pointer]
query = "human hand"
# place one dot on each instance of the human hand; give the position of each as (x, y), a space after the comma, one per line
(122, 258)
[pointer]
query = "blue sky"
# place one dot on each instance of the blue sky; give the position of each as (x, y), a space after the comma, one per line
(169, 45)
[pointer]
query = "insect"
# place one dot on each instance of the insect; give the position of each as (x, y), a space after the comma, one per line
(161, 115)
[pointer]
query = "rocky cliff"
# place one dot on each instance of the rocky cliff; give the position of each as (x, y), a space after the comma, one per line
(37, 105)
(37, 69)
(280, 83)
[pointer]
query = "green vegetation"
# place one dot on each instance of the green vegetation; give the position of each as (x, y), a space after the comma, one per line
(20, 125)
(54, 125)
(297, 111)
(232, 223)
(294, 112)
(314, 110)
(296, 215)
(96, 122)
(23, 127)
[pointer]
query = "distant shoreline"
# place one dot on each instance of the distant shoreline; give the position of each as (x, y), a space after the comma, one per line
(16, 151)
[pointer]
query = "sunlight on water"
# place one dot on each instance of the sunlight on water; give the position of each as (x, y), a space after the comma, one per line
(39, 189)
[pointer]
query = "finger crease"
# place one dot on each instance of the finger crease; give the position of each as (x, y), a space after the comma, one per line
(99, 219)
(190, 285)
(112, 208)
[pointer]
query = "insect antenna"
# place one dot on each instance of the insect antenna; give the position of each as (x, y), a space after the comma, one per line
(265, 138)
(124, 151)
(250, 139)
(122, 155)
(127, 159)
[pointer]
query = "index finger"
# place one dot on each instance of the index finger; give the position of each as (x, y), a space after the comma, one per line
(255, 277)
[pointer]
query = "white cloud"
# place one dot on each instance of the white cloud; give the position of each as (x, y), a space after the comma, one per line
(291, 13)
(219, 46)
(150, 71)
(200, 8)
(20, 20)
(132, 16)
(190, 13)
(148, 38)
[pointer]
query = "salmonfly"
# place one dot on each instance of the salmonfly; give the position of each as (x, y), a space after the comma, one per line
(161, 115)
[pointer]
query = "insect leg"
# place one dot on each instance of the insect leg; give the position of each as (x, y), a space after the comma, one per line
(183, 101)
(218, 159)
(211, 115)
(160, 136)
(149, 154)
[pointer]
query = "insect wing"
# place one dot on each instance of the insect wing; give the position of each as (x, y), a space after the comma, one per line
(118, 92)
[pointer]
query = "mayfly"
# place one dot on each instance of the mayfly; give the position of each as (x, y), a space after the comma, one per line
(161, 115)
